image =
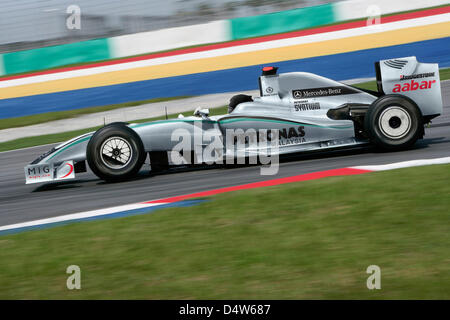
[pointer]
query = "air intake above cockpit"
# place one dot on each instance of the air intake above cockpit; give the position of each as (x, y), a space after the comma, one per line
(269, 71)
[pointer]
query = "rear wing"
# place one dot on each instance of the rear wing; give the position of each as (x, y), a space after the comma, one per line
(418, 81)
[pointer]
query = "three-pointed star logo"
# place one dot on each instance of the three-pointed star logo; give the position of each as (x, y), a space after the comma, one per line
(297, 94)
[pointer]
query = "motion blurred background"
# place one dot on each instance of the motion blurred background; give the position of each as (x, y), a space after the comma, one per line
(29, 24)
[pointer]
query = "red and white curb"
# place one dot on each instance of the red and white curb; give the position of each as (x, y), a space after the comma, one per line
(132, 208)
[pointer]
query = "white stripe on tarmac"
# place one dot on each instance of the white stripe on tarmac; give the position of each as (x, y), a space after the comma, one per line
(233, 50)
(404, 164)
(81, 215)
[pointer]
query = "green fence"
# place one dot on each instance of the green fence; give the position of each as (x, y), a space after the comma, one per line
(284, 21)
(56, 56)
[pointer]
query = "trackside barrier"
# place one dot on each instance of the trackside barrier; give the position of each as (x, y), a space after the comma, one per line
(212, 32)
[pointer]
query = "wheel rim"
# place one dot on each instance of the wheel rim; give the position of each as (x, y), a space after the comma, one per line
(116, 152)
(395, 122)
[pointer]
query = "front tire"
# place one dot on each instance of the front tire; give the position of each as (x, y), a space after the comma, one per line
(393, 122)
(115, 153)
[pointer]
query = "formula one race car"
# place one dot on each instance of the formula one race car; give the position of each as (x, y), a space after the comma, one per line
(297, 111)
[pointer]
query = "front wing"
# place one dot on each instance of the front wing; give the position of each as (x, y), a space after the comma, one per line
(47, 172)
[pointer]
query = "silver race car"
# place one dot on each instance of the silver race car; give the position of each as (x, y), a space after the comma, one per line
(296, 111)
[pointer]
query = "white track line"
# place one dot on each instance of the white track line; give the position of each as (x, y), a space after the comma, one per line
(404, 164)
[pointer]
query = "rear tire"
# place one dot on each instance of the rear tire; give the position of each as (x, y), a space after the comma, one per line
(393, 122)
(115, 153)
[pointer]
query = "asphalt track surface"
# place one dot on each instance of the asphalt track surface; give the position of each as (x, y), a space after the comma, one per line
(20, 202)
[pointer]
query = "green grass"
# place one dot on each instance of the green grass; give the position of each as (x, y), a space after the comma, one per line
(63, 136)
(444, 74)
(58, 115)
(307, 240)
(369, 85)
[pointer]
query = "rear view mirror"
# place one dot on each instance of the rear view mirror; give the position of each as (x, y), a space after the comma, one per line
(204, 113)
